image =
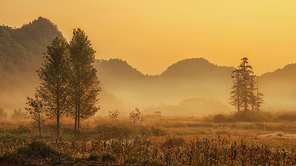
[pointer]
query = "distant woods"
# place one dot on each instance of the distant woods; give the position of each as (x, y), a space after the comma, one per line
(68, 82)
(245, 95)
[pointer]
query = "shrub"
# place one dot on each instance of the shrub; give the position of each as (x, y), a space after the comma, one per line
(21, 129)
(39, 149)
(219, 118)
(252, 116)
(287, 117)
(109, 157)
(93, 157)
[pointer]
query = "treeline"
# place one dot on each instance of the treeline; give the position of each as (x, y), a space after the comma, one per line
(188, 107)
(17, 115)
(68, 83)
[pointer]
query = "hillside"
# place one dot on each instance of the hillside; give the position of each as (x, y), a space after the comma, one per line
(183, 80)
(279, 88)
(21, 53)
(192, 78)
(124, 87)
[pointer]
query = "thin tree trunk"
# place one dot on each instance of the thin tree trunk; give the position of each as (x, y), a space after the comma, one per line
(78, 121)
(58, 113)
(39, 124)
(75, 130)
(257, 96)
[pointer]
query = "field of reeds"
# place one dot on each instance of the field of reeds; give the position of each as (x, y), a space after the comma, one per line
(155, 141)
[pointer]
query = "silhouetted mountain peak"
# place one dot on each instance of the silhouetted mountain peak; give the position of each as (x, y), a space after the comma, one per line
(118, 68)
(21, 50)
(287, 72)
(195, 67)
(40, 29)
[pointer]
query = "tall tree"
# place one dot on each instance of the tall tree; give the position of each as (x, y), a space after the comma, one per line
(243, 94)
(236, 93)
(53, 75)
(84, 83)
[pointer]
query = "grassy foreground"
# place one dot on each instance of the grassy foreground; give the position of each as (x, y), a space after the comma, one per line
(156, 141)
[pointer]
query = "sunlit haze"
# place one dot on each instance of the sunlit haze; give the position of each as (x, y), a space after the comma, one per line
(151, 35)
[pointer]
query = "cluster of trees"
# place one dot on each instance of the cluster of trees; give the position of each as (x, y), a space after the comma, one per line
(68, 82)
(16, 115)
(245, 95)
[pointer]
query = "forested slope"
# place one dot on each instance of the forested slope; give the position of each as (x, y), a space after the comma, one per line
(21, 53)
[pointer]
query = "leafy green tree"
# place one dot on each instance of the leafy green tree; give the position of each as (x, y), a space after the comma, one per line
(36, 111)
(84, 84)
(244, 94)
(53, 75)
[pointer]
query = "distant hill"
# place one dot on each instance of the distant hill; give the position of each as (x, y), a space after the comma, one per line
(21, 53)
(279, 88)
(183, 80)
(189, 78)
(124, 87)
(195, 68)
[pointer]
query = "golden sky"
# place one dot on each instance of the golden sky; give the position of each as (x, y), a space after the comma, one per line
(153, 34)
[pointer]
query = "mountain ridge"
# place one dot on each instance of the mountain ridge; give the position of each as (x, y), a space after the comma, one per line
(185, 79)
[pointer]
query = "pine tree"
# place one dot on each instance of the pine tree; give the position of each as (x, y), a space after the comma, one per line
(236, 93)
(53, 75)
(84, 83)
(244, 93)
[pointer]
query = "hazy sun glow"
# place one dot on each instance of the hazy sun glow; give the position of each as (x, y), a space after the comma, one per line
(151, 35)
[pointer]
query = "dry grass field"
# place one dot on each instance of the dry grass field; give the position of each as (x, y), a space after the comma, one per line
(154, 141)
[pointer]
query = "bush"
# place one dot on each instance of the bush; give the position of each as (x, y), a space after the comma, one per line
(287, 117)
(109, 157)
(38, 149)
(21, 129)
(93, 157)
(252, 116)
(219, 118)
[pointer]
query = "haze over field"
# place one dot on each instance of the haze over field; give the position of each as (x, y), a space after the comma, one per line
(173, 56)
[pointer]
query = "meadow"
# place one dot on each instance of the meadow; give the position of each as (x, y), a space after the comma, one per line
(155, 140)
